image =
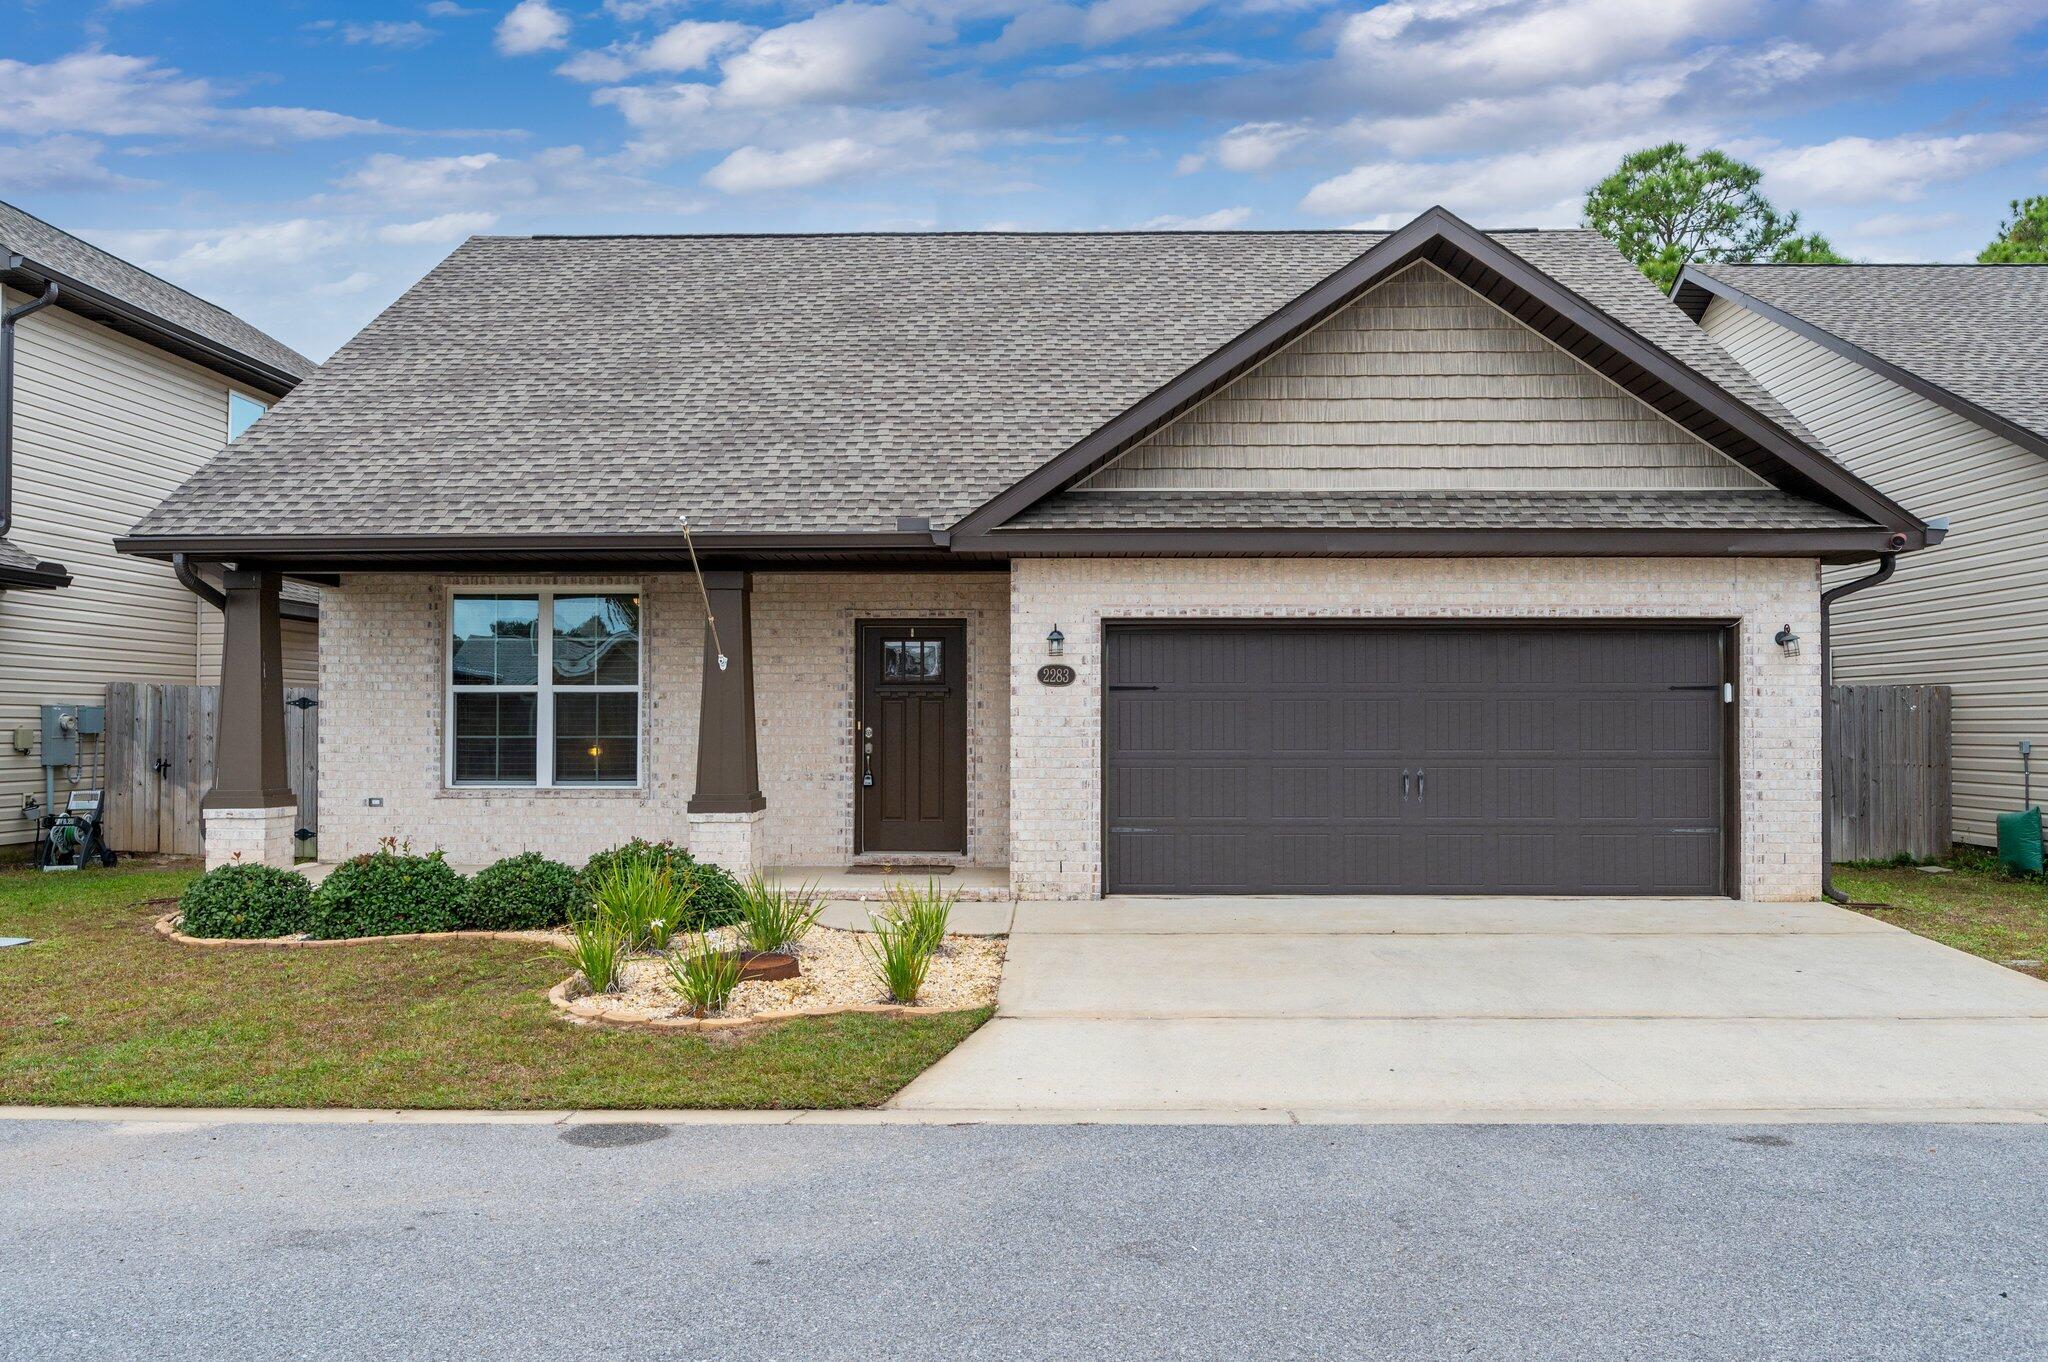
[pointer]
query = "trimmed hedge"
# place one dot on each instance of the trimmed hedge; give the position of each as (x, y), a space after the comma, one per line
(247, 901)
(715, 900)
(522, 893)
(387, 893)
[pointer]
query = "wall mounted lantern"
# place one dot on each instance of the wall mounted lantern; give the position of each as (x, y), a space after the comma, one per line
(1787, 640)
(1055, 643)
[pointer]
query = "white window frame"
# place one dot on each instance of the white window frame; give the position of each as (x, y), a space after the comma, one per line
(543, 690)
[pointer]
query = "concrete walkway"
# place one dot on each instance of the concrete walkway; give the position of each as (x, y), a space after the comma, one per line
(1490, 1009)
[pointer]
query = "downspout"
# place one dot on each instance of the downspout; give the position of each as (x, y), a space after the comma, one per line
(1886, 562)
(196, 584)
(7, 321)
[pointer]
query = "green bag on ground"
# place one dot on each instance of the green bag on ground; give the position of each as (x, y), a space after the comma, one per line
(2019, 841)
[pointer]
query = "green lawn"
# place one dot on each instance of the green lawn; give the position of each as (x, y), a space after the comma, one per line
(100, 1010)
(1974, 907)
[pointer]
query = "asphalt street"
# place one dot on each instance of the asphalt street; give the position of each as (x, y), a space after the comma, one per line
(623, 1242)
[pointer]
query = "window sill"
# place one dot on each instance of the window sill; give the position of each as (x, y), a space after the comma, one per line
(542, 792)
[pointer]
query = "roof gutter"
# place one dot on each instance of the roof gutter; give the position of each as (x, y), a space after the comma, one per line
(189, 578)
(7, 321)
(1886, 564)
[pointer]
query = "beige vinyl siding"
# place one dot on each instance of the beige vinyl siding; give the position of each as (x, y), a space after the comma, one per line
(1422, 385)
(1971, 614)
(104, 427)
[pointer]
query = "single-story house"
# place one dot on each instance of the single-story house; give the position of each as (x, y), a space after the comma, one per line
(1433, 560)
(1930, 383)
(115, 386)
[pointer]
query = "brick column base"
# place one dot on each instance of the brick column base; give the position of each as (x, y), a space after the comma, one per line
(251, 836)
(730, 841)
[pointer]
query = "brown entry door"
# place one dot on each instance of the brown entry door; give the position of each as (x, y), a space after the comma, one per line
(910, 750)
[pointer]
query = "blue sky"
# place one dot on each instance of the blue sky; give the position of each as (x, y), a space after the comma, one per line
(304, 161)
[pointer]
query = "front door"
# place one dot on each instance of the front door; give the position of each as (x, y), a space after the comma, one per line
(910, 743)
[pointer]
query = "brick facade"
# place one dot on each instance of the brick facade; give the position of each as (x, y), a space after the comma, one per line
(1056, 761)
(382, 671)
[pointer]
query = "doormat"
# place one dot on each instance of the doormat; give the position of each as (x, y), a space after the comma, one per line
(900, 867)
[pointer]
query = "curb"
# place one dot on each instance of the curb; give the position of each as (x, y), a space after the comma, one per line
(167, 928)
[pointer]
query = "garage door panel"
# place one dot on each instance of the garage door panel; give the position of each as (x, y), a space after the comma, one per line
(1543, 759)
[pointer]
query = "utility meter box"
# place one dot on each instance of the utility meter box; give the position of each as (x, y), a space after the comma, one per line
(60, 735)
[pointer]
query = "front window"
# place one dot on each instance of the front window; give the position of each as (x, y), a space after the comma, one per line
(544, 688)
(242, 414)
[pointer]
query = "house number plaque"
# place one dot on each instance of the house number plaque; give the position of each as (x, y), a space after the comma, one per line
(1055, 674)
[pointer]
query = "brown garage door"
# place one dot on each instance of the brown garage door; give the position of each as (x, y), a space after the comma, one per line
(1567, 759)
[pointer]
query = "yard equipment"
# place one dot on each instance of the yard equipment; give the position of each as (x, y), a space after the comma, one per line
(2019, 834)
(73, 837)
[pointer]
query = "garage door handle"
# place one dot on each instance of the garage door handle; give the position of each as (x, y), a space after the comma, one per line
(1421, 789)
(1404, 785)
(1134, 688)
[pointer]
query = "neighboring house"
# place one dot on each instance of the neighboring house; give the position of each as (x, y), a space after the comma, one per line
(122, 386)
(1930, 382)
(1422, 561)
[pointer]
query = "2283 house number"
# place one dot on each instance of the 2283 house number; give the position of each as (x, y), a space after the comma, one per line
(1055, 674)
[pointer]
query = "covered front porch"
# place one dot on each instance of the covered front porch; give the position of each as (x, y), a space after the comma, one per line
(860, 718)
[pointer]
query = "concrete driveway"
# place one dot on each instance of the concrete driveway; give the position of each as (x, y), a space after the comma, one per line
(1495, 1009)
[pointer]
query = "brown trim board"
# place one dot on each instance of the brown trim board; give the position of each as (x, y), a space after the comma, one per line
(1476, 260)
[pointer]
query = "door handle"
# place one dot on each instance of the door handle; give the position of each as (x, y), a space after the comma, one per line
(1421, 788)
(1404, 785)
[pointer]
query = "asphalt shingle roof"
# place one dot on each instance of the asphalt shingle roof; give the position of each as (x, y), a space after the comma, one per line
(32, 238)
(1231, 510)
(1979, 331)
(781, 384)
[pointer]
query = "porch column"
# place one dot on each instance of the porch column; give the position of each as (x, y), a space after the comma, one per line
(250, 811)
(725, 811)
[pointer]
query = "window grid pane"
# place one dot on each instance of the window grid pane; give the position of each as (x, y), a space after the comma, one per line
(495, 739)
(597, 738)
(597, 640)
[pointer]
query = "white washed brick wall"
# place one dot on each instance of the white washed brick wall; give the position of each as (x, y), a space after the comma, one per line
(383, 650)
(1056, 753)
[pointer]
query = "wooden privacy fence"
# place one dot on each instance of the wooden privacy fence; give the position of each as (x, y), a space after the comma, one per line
(1888, 772)
(160, 763)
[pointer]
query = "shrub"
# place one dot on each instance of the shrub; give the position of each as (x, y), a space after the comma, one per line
(522, 893)
(900, 958)
(773, 918)
(642, 902)
(247, 901)
(714, 895)
(923, 912)
(705, 975)
(597, 948)
(389, 892)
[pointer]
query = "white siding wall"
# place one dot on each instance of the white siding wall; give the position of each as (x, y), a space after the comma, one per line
(1423, 385)
(1971, 614)
(104, 427)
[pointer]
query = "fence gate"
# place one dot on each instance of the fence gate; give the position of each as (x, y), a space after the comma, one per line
(1888, 772)
(160, 763)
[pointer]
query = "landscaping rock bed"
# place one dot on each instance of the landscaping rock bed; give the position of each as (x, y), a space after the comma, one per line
(836, 977)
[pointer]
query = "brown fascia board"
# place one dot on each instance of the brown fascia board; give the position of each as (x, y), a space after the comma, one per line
(364, 549)
(1448, 242)
(145, 326)
(1838, 546)
(1693, 289)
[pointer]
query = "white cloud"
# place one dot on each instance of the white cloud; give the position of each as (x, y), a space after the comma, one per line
(1523, 189)
(61, 164)
(688, 46)
(1891, 169)
(442, 230)
(388, 33)
(845, 52)
(1906, 224)
(347, 287)
(556, 180)
(1256, 146)
(751, 170)
(1111, 62)
(1107, 21)
(532, 26)
(1453, 48)
(189, 253)
(1223, 219)
(448, 9)
(109, 95)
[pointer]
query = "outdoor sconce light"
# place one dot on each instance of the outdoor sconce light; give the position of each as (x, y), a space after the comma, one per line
(1787, 640)
(1055, 643)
